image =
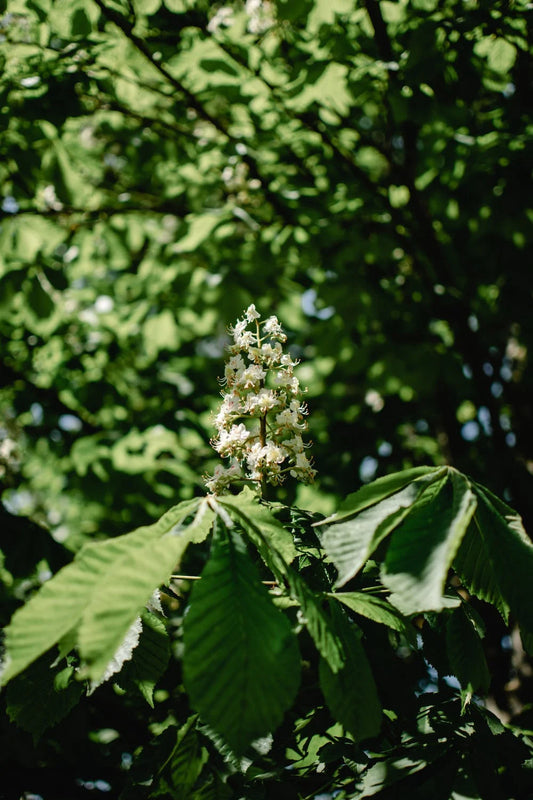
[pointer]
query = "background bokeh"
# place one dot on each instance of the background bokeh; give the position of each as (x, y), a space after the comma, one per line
(362, 170)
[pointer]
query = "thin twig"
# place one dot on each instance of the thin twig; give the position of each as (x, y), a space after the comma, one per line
(199, 577)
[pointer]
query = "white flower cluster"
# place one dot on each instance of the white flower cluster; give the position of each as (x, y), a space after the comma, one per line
(261, 418)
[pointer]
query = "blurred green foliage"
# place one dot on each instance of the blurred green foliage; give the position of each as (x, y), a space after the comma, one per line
(360, 169)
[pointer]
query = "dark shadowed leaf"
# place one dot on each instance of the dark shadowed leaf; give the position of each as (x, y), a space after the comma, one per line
(43, 695)
(509, 552)
(351, 692)
(377, 610)
(465, 653)
(150, 658)
(180, 771)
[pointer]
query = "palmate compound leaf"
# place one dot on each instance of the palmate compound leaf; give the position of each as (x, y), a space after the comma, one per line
(63, 604)
(351, 692)
(241, 661)
(422, 549)
(350, 543)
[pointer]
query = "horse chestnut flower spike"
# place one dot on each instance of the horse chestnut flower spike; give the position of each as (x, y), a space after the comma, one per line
(262, 416)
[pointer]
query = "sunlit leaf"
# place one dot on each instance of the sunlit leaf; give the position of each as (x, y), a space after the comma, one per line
(63, 600)
(376, 491)
(351, 542)
(422, 549)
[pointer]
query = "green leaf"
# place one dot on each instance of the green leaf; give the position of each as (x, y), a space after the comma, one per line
(42, 696)
(213, 789)
(316, 620)
(266, 537)
(266, 533)
(378, 490)
(350, 543)
(150, 658)
(465, 653)
(125, 588)
(257, 518)
(161, 333)
(182, 768)
(510, 554)
(81, 24)
(200, 527)
(351, 692)
(422, 549)
(377, 610)
(52, 613)
(57, 608)
(477, 571)
(39, 300)
(419, 772)
(201, 226)
(241, 662)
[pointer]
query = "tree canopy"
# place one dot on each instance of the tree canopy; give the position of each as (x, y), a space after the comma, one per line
(362, 171)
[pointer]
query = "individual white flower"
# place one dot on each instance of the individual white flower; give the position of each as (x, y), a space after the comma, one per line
(268, 456)
(273, 454)
(222, 478)
(251, 377)
(236, 363)
(231, 442)
(261, 403)
(302, 468)
(252, 313)
(253, 456)
(290, 419)
(229, 410)
(273, 328)
(239, 328)
(286, 361)
(243, 341)
(233, 369)
(271, 354)
(295, 405)
(284, 379)
(294, 444)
